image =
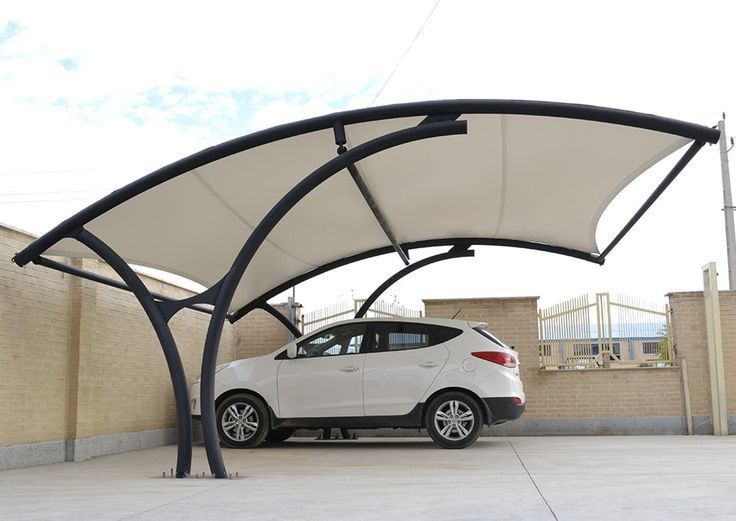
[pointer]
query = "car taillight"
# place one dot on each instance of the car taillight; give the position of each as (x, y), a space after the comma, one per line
(518, 401)
(497, 357)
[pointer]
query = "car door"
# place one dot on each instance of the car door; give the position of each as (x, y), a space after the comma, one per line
(401, 363)
(326, 378)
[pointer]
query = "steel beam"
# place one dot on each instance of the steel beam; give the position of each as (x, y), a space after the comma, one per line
(682, 163)
(191, 303)
(341, 142)
(275, 313)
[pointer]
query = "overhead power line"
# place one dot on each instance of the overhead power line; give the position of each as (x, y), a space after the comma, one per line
(60, 200)
(398, 63)
(54, 192)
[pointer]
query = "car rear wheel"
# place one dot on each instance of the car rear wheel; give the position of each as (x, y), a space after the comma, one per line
(278, 435)
(454, 420)
(242, 421)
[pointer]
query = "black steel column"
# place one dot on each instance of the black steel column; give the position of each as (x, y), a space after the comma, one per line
(168, 344)
(259, 235)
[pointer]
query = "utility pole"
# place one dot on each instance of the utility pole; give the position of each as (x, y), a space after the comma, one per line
(728, 208)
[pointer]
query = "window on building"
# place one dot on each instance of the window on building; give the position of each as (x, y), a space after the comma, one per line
(650, 348)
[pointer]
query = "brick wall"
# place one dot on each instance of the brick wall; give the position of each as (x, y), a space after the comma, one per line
(690, 342)
(258, 333)
(34, 346)
(80, 360)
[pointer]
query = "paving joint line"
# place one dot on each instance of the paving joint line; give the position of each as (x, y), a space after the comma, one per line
(210, 489)
(532, 480)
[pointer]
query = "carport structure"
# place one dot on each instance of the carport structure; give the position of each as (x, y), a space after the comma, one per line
(257, 215)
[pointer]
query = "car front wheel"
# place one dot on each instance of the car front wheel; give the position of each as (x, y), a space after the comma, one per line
(454, 420)
(242, 421)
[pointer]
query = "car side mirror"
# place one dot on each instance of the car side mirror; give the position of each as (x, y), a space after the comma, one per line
(291, 350)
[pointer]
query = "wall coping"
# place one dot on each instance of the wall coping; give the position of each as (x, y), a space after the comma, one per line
(465, 299)
(695, 293)
(608, 369)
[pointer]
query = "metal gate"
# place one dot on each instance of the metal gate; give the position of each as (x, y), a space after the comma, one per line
(347, 310)
(583, 333)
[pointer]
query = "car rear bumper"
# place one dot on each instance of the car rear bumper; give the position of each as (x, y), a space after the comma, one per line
(503, 409)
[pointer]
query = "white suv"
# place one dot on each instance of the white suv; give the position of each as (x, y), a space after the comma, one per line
(448, 376)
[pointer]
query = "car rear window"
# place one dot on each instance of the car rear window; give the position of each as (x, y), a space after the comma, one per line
(398, 336)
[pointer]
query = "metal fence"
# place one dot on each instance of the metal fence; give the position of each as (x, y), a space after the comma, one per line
(346, 310)
(586, 332)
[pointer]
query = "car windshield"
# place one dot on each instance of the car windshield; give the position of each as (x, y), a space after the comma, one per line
(490, 337)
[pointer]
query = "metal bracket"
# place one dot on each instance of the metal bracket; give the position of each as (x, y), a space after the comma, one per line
(169, 308)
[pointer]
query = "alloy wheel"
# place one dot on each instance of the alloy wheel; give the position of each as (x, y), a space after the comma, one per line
(454, 420)
(239, 421)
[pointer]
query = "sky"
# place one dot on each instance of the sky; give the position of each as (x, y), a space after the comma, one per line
(96, 94)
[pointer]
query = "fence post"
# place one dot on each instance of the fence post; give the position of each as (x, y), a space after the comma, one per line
(715, 350)
(670, 340)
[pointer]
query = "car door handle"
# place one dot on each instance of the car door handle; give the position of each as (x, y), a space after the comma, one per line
(349, 369)
(429, 364)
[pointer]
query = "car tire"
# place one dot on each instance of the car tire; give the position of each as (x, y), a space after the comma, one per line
(454, 420)
(243, 421)
(279, 435)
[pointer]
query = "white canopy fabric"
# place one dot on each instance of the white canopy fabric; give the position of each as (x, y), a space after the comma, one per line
(533, 172)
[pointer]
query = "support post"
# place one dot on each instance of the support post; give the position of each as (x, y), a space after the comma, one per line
(728, 208)
(686, 395)
(256, 239)
(717, 376)
(165, 337)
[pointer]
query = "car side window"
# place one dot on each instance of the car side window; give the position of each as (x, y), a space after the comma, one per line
(341, 340)
(399, 336)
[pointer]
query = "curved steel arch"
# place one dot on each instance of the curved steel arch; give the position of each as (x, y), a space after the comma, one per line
(259, 235)
(426, 108)
(159, 321)
(428, 243)
(454, 253)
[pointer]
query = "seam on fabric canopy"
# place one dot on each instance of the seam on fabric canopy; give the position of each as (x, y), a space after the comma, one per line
(242, 219)
(504, 177)
(646, 165)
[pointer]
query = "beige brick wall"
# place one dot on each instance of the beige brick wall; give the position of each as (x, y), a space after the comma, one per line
(258, 333)
(567, 394)
(80, 359)
(34, 345)
(689, 337)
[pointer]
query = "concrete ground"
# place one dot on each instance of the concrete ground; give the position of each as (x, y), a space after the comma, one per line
(545, 478)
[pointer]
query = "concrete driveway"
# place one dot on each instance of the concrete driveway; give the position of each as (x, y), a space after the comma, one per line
(539, 478)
